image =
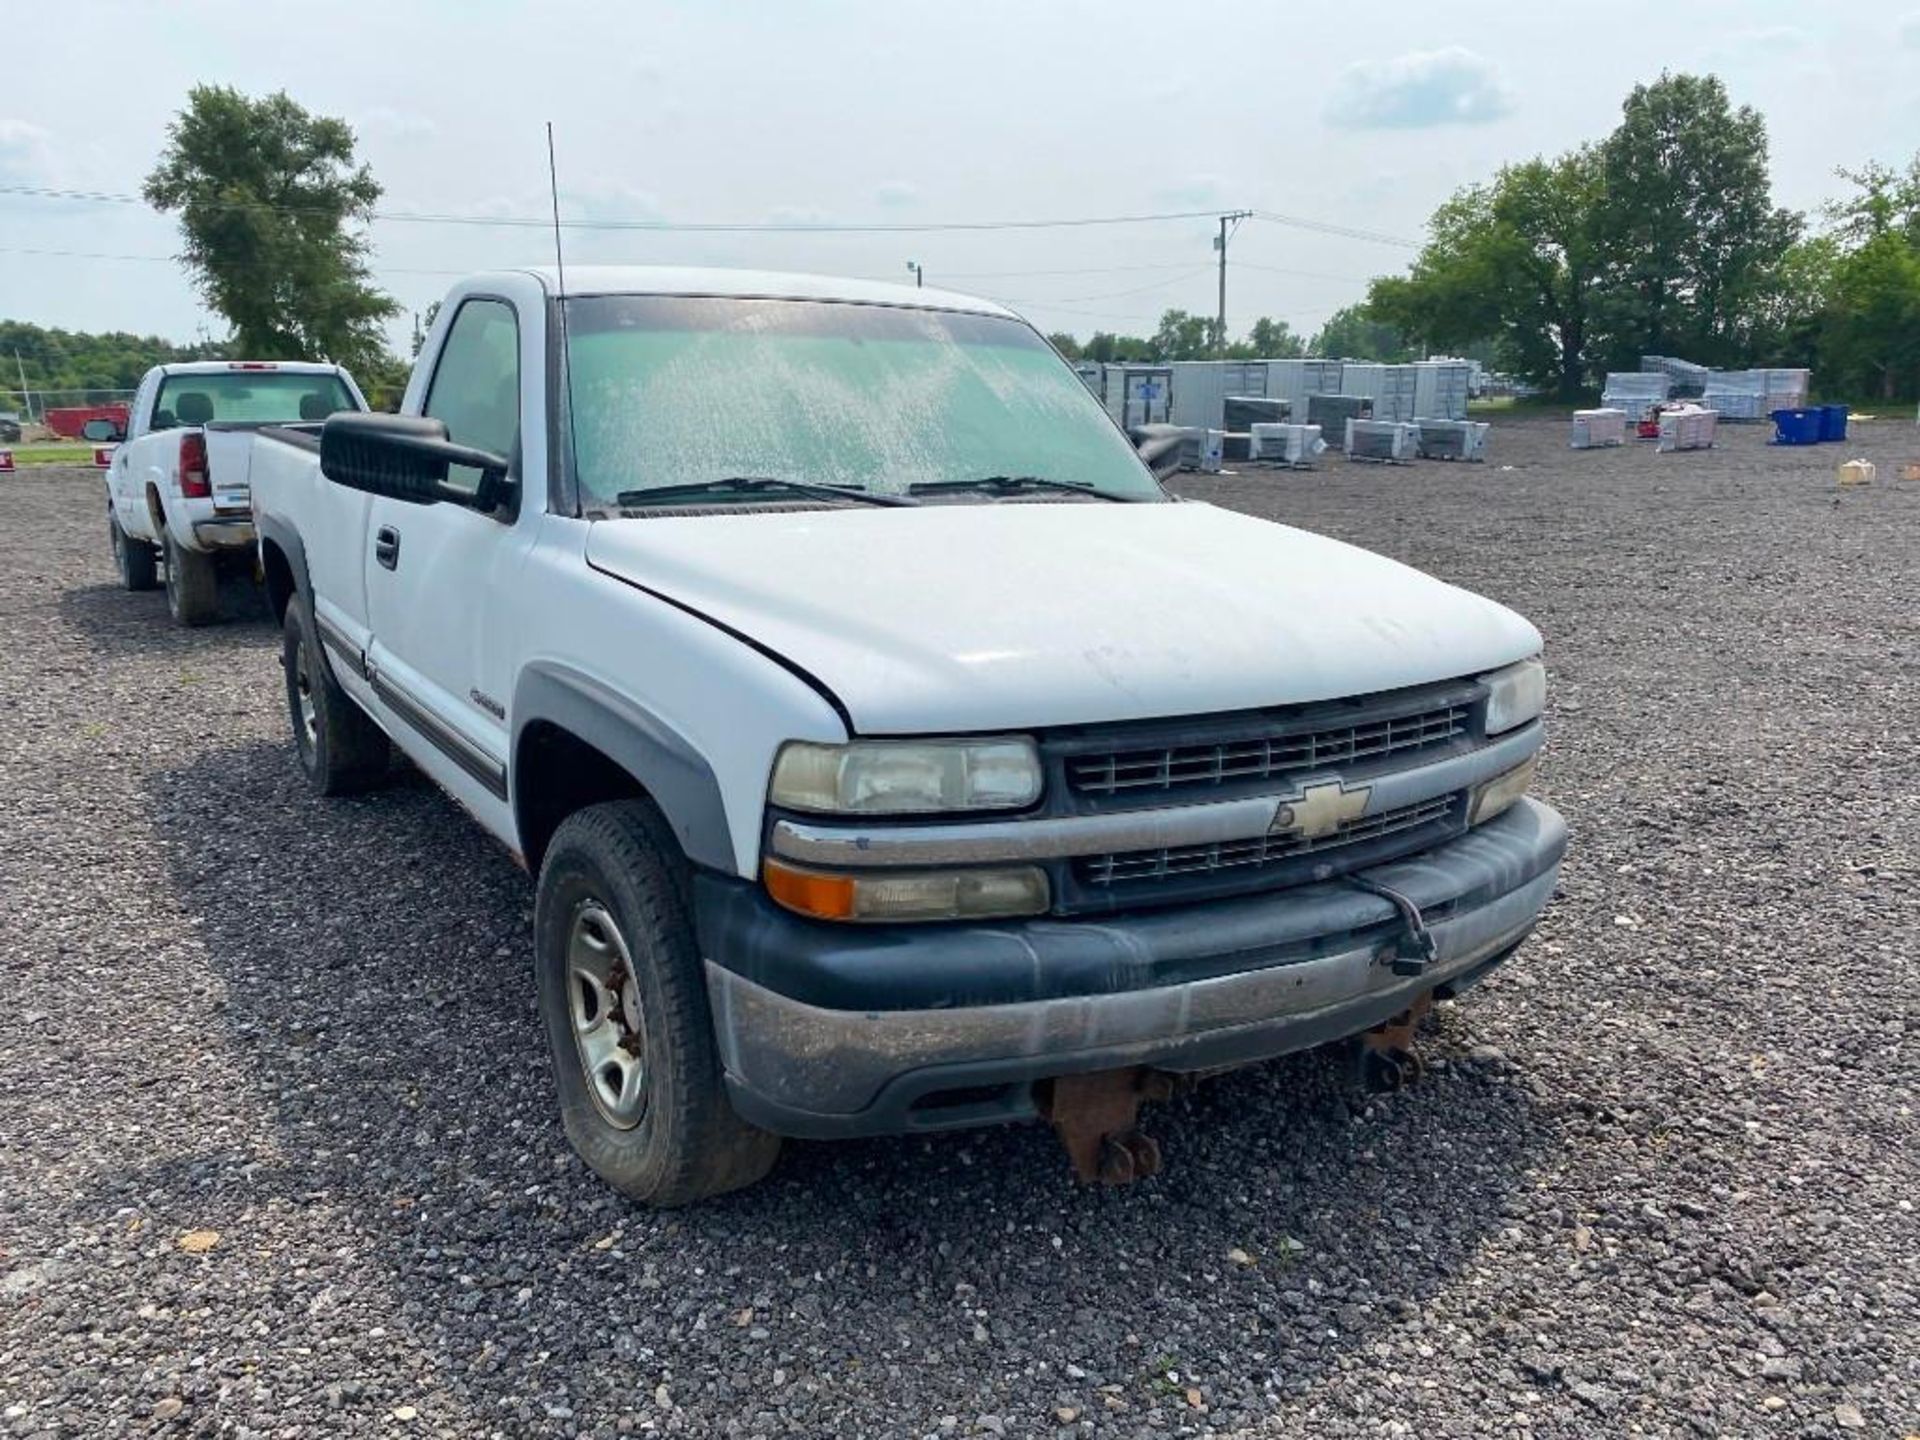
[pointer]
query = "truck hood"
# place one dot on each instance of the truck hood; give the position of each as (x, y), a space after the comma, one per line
(1016, 616)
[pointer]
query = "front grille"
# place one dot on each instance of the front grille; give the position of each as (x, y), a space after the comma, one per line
(1322, 746)
(1269, 849)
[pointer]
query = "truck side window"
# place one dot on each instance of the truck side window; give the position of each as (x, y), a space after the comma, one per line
(476, 383)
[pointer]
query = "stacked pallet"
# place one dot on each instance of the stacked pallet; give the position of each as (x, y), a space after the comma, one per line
(1635, 392)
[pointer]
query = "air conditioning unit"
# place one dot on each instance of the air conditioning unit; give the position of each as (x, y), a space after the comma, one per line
(1286, 444)
(1453, 439)
(1595, 429)
(1202, 450)
(1382, 440)
(1687, 427)
(1331, 412)
(1243, 412)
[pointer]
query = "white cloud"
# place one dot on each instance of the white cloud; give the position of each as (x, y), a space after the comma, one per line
(1909, 31)
(1194, 192)
(1452, 86)
(25, 157)
(385, 121)
(896, 195)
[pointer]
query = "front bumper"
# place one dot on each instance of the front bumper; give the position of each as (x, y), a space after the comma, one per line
(836, 1030)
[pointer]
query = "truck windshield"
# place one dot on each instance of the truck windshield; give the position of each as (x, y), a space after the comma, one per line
(684, 392)
(248, 397)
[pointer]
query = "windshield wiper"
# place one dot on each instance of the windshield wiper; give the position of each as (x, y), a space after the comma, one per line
(1009, 485)
(755, 485)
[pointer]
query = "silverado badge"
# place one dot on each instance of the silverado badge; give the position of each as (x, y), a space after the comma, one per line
(1319, 810)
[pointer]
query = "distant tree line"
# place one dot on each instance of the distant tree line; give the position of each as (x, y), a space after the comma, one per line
(1662, 238)
(1351, 333)
(85, 368)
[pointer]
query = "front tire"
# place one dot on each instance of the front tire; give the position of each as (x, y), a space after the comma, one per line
(625, 1008)
(132, 558)
(193, 586)
(340, 749)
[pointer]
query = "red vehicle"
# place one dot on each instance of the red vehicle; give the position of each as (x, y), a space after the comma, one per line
(68, 421)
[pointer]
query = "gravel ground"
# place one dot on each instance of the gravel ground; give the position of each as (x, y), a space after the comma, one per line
(1661, 1180)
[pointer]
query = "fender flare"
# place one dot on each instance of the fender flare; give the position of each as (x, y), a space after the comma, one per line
(668, 766)
(272, 528)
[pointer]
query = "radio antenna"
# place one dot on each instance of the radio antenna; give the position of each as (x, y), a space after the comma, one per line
(560, 305)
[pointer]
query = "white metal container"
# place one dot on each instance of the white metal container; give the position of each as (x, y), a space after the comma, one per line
(1285, 444)
(1593, 429)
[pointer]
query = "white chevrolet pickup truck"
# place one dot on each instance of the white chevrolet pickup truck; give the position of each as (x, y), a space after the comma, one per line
(177, 487)
(892, 752)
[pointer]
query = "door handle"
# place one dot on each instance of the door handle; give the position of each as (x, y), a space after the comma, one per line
(386, 547)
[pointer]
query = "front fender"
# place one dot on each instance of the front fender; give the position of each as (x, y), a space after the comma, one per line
(667, 765)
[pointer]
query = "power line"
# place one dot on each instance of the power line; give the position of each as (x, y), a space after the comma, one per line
(775, 227)
(1348, 232)
(176, 259)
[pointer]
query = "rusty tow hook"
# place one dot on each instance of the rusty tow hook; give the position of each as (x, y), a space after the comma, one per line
(1387, 1059)
(1096, 1117)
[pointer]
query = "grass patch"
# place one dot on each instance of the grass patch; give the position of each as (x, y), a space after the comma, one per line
(59, 454)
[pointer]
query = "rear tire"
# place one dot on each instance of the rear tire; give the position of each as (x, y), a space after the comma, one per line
(340, 749)
(134, 559)
(193, 586)
(624, 1002)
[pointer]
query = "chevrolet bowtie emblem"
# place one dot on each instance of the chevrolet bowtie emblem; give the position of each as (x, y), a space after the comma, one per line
(1320, 810)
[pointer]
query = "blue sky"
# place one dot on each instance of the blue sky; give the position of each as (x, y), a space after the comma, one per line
(886, 110)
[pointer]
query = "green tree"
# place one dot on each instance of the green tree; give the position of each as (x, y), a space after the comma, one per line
(1687, 224)
(271, 206)
(1111, 349)
(1516, 261)
(1181, 336)
(1870, 340)
(1356, 333)
(1068, 347)
(69, 367)
(1269, 339)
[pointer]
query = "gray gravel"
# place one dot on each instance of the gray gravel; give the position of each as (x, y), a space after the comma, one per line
(1661, 1181)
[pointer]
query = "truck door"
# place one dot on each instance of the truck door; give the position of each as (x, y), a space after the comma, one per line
(440, 577)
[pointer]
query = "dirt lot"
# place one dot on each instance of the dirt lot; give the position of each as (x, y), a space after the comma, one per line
(1662, 1181)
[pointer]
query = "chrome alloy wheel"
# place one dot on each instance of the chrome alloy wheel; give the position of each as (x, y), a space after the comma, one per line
(609, 1027)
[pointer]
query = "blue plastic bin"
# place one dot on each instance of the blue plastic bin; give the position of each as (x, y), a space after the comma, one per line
(1833, 422)
(1796, 427)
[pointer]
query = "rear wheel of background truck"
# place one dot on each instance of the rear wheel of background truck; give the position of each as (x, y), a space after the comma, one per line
(132, 558)
(193, 586)
(625, 1007)
(341, 750)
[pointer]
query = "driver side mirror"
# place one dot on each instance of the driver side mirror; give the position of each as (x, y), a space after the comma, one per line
(99, 431)
(407, 457)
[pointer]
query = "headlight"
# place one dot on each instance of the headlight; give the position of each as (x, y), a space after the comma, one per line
(906, 777)
(907, 895)
(1515, 695)
(1499, 793)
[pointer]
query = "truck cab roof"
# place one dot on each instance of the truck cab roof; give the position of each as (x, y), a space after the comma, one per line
(221, 367)
(582, 280)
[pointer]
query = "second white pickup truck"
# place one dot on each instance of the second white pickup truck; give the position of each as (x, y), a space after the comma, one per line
(892, 752)
(177, 489)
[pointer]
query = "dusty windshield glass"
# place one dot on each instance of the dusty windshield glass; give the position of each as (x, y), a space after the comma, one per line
(676, 393)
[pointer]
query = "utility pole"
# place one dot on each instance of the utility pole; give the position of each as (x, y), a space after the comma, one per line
(26, 395)
(919, 275)
(1229, 223)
